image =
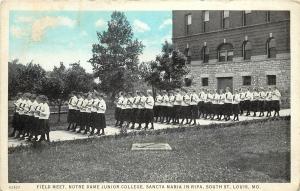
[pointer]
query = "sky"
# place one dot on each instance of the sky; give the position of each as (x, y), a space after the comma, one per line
(48, 38)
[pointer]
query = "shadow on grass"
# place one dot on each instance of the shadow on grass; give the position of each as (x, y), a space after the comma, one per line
(274, 164)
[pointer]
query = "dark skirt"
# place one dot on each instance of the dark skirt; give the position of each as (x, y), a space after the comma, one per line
(221, 109)
(21, 124)
(200, 105)
(261, 106)
(141, 115)
(209, 108)
(149, 115)
(126, 114)
(247, 105)
(276, 105)
(194, 111)
(236, 109)
(93, 119)
(185, 112)
(155, 111)
(43, 127)
(169, 111)
(100, 122)
(177, 110)
(254, 105)
(204, 107)
(31, 124)
(77, 114)
(71, 116)
(134, 115)
(228, 108)
(131, 115)
(268, 106)
(82, 117)
(215, 109)
(16, 121)
(27, 123)
(242, 105)
(88, 117)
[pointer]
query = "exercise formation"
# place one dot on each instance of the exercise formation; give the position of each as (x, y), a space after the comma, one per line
(31, 117)
(183, 106)
(86, 111)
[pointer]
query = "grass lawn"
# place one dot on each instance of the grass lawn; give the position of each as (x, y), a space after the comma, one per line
(245, 152)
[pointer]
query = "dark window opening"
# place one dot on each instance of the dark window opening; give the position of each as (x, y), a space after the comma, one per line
(204, 81)
(205, 54)
(205, 21)
(247, 48)
(225, 19)
(187, 53)
(271, 80)
(246, 80)
(245, 17)
(188, 23)
(271, 48)
(268, 16)
(225, 52)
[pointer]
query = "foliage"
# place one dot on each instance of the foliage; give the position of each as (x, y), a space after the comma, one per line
(24, 78)
(168, 70)
(115, 57)
(55, 84)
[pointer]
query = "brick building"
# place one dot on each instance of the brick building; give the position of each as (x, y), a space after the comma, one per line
(236, 48)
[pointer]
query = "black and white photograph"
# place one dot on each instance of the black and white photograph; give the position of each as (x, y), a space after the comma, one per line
(99, 97)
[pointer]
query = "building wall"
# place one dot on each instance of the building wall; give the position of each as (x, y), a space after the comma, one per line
(257, 31)
(256, 35)
(258, 70)
(255, 17)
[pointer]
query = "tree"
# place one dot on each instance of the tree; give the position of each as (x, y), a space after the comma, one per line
(61, 82)
(168, 70)
(115, 57)
(24, 78)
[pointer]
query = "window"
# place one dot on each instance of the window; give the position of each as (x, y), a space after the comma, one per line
(268, 16)
(225, 52)
(205, 54)
(205, 20)
(204, 81)
(225, 19)
(245, 17)
(271, 48)
(246, 80)
(188, 23)
(187, 53)
(271, 80)
(246, 50)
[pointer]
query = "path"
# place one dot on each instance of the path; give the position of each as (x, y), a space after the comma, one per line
(62, 135)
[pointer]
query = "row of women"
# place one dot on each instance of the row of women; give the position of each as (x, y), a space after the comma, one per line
(213, 104)
(31, 117)
(87, 112)
(134, 109)
(183, 105)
